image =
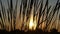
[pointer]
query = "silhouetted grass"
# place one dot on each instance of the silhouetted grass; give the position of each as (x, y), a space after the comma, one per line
(22, 17)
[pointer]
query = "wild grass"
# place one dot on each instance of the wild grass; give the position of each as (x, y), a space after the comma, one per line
(43, 14)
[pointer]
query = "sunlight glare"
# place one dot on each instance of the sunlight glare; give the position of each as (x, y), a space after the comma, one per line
(31, 24)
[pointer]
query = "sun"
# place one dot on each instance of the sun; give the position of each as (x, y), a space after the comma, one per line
(32, 24)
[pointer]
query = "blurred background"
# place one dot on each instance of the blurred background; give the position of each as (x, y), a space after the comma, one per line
(29, 15)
